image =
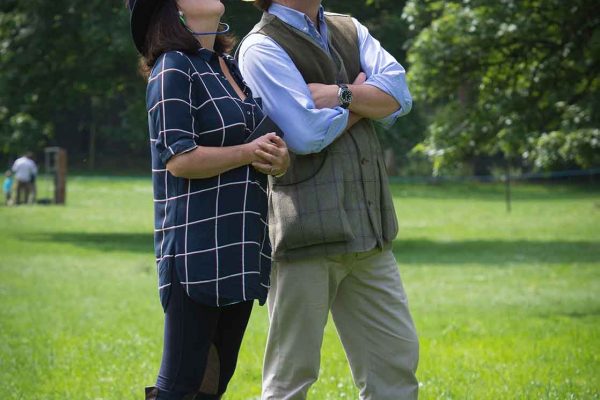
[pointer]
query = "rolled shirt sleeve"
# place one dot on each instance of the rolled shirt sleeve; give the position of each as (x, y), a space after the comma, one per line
(272, 75)
(384, 72)
(170, 106)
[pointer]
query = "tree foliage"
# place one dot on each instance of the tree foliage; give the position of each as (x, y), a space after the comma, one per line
(68, 74)
(508, 78)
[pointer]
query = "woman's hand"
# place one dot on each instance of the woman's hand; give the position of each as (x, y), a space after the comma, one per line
(272, 155)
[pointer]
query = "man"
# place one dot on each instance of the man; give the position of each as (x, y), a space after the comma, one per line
(332, 218)
(25, 171)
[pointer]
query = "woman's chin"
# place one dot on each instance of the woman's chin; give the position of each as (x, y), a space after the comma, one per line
(222, 8)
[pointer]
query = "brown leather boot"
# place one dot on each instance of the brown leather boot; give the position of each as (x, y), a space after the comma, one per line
(151, 393)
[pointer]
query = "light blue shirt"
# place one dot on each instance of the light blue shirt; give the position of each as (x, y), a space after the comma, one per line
(272, 75)
(7, 185)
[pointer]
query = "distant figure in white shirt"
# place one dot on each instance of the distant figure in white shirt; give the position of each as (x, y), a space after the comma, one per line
(25, 171)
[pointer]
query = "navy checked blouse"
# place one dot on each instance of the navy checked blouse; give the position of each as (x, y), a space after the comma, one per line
(212, 231)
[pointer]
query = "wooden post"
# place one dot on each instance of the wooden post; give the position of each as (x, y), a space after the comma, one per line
(60, 177)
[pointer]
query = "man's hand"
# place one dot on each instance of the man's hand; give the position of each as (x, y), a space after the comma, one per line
(360, 79)
(326, 96)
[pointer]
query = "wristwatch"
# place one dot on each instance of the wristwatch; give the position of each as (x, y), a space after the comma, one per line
(344, 95)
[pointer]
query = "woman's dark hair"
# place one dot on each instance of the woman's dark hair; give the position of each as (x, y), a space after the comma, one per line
(263, 4)
(167, 33)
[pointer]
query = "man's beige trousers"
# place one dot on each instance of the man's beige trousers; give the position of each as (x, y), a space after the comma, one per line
(368, 304)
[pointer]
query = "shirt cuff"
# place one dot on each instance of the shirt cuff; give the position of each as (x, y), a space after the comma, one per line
(390, 120)
(337, 126)
(177, 148)
(398, 90)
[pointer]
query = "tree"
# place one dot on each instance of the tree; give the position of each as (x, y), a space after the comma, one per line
(68, 77)
(498, 77)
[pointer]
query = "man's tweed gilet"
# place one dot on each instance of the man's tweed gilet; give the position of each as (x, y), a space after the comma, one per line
(337, 201)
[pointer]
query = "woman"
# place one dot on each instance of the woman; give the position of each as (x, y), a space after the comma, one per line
(210, 192)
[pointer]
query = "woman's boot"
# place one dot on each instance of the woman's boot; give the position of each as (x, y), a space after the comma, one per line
(151, 393)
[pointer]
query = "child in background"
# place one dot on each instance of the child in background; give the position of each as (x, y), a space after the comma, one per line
(7, 187)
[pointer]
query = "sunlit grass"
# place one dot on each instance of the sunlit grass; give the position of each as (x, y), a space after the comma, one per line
(507, 305)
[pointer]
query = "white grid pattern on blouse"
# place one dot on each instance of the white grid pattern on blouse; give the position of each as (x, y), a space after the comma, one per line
(177, 126)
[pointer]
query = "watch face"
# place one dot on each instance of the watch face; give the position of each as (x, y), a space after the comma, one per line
(345, 96)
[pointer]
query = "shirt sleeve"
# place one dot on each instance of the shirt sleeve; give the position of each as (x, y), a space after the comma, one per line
(383, 72)
(170, 106)
(272, 75)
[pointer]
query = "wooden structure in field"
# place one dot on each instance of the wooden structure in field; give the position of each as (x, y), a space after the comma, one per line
(55, 162)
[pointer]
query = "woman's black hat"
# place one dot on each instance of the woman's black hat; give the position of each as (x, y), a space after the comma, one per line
(141, 13)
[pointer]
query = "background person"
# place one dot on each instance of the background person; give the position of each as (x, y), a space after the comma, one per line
(25, 171)
(7, 187)
(210, 193)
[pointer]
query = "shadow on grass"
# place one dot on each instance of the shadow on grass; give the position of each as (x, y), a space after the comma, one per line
(495, 191)
(494, 252)
(407, 251)
(590, 313)
(122, 242)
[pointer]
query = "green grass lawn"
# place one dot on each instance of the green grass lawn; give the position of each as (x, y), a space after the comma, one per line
(507, 305)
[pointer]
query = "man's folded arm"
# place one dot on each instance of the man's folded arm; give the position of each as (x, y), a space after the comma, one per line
(271, 75)
(385, 95)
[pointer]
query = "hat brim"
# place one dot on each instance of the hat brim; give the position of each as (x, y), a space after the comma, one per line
(141, 14)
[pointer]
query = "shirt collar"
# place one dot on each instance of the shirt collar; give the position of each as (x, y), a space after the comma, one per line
(296, 18)
(206, 54)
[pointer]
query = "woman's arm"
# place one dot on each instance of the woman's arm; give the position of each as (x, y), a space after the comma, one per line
(170, 109)
(206, 162)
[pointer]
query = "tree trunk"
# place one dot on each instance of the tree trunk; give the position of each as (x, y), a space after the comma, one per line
(92, 147)
(93, 134)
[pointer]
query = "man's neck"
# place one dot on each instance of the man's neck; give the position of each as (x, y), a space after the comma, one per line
(308, 7)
